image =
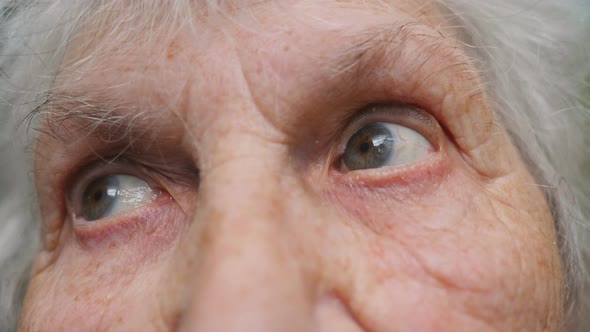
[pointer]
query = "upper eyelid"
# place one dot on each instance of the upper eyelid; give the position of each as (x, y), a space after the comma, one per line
(394, 109)
(401, 114)
(88, 173)
(157, 176)
(427, 60)
(155, 166)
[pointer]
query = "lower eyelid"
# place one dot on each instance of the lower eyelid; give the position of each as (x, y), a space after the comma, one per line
(127, 226)
(428, 169)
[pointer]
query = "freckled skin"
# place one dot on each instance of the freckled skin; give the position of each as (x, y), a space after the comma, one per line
(271, 239)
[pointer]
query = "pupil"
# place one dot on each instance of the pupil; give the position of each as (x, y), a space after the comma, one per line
(370, 147)
(98, 195)
(365, 147)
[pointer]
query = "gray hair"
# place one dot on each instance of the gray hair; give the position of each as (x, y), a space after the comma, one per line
(530, 55)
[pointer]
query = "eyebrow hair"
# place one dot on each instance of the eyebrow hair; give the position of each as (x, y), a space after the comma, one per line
(382, 45)
(63, 115)
(373, 43)
(97, 115)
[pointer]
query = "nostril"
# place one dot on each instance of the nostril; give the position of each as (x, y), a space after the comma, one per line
(333, 314)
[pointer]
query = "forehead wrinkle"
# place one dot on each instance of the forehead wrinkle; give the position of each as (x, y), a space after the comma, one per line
(109, 25)
(376, 46)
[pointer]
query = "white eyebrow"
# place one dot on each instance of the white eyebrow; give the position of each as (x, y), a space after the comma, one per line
(60, 113)
(96, 115)
(382, 46)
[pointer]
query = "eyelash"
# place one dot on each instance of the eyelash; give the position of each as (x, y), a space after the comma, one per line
(395, 113)
(404, 115)
(97, 169)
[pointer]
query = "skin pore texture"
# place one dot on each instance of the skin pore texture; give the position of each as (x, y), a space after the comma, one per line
(238, 123)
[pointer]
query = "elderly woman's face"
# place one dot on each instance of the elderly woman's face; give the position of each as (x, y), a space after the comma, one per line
(302, 166)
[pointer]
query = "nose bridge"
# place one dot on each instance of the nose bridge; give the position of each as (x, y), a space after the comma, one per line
(242, 202)
(249, 278)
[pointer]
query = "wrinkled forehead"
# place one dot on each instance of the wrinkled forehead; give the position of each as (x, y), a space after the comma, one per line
(141, 54)
(144, 28)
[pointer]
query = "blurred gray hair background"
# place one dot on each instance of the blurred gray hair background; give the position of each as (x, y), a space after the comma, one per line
(18, 240)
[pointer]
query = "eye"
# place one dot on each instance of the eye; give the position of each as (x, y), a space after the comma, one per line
(382, 144)
(110, 195)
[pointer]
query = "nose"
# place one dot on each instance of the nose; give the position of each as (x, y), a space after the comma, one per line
(256, 266)
(250, 275)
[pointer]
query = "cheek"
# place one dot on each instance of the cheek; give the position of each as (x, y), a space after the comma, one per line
(454, 255)
(105, 278)
(77, 293)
